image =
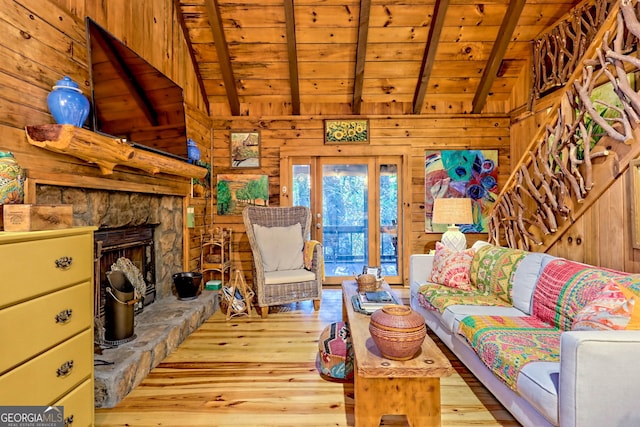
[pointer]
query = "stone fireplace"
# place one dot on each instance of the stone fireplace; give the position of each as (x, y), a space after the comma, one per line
(129, 247)
(159, 327)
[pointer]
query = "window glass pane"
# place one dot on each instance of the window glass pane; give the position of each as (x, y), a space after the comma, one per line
(389, 219)
(302, 185)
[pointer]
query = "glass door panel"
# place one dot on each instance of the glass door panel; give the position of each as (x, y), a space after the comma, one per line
(355, 208)
(345, 218)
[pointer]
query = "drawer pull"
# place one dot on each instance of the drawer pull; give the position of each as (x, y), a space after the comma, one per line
(64, 369)
(68, 421)
(64, 316)
(64, 262)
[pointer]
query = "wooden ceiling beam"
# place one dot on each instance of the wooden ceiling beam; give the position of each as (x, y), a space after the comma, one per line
(224, 59)
(507, 27)
(429, 57)
(361, 54)
(292, 52)
(192, 55)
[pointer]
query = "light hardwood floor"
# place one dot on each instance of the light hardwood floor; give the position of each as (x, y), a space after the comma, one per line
(261, 372)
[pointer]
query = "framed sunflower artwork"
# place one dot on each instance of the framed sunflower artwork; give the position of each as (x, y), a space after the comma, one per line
(346, 131)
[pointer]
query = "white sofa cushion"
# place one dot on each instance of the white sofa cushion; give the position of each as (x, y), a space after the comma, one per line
(526, 276)
(538, 382)
(288, 276)
(280, 247)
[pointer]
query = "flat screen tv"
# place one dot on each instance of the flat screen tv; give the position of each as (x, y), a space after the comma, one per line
(131, 99)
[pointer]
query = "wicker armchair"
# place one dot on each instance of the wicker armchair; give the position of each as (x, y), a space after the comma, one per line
(289, 281)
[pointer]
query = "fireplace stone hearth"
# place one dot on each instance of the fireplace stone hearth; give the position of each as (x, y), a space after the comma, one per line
(162, 325)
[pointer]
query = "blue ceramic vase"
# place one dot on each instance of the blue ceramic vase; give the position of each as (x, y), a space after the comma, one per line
(67, 103)
(193, 152)
(12, 178)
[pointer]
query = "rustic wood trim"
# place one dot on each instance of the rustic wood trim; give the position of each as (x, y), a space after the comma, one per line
(429, 57)
(192, 55)
(497, 54)
(106, 152)
(361, 54)
(292, 52)
(36, 178)
(224, 59)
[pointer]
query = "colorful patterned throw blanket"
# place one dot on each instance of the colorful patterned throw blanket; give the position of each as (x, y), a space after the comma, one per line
(564, 287)
(506, 344)
(493, 269)
(438, 297)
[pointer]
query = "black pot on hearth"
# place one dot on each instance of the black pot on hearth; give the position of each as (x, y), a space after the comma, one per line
(188, 284)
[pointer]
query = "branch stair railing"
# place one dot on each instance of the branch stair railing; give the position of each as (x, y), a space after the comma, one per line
(567, 165)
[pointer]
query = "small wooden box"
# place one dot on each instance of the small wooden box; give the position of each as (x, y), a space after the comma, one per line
(36, 217)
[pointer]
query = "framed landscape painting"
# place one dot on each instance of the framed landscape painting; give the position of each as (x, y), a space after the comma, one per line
(461, 173)
(245, 149)
(235, 191)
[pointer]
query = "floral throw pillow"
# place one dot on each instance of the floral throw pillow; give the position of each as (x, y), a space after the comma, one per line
(451, 268)
(617, 307)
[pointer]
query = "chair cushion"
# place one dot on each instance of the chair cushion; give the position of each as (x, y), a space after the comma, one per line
(288, 276)
(335, 352)
(280, 247)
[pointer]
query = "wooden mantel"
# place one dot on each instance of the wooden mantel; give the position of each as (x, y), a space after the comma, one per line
(106, 152)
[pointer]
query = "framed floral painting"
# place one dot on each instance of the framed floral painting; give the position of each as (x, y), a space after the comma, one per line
(461, 173)
(346, 131)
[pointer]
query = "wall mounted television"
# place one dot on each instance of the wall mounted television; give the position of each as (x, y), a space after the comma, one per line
(131, 99)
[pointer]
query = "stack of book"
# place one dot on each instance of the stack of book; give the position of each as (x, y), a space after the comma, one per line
(371, 301)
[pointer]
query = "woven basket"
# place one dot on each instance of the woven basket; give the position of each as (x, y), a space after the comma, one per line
(367, 282)
(398, 331)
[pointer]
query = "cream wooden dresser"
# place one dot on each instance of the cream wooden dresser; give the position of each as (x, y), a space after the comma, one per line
(46, 321)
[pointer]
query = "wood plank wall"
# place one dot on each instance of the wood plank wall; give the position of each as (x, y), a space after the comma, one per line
(44, 40)
(420, 133)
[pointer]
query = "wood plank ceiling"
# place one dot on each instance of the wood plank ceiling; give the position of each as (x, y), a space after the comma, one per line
(328, 57)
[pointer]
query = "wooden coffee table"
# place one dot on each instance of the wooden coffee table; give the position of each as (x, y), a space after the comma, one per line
(384, 386)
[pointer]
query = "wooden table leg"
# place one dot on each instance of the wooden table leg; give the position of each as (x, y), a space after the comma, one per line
(417, 398)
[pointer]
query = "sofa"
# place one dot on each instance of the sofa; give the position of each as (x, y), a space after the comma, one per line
(552, 339)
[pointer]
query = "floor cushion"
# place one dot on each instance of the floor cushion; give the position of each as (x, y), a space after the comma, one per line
(335, 352)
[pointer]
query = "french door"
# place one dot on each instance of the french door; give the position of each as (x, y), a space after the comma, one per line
(356, 206)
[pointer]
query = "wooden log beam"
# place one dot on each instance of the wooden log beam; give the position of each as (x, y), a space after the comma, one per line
(429, 57)
(224, 59)
(361, 54)
(106, 152)
(497, 54)
(292, 54)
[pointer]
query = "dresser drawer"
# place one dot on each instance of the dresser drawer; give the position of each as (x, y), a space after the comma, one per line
(78, 406)
(32, 268)
(42, 380)
(33, 326)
